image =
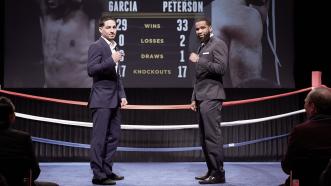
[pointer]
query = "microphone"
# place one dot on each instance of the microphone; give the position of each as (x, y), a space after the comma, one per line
(121, 51)
(118, 50)
(117, 68)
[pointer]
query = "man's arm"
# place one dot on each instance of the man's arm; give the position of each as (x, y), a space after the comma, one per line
(193, 105)
(122, 94)
(287, 162)
(32, 157)
(220, 62)
(194, 58)
(96, 65)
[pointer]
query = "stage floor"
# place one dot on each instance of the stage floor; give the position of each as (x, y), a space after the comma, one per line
(166, 174)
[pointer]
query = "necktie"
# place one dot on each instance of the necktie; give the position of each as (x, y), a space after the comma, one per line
(200, 47)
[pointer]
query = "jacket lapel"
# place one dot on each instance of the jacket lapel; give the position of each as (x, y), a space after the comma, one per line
(105, 46)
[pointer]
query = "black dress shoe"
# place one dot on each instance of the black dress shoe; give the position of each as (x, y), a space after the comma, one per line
(106, 181)
(213, 180)
(114, 176)
(203, 177)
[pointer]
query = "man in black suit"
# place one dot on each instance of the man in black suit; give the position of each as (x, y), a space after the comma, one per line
(106, 98)
(16, 153)
(309, 145)
(207, 98)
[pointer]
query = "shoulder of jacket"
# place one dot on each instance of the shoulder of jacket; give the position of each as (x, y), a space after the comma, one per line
(19, 132)
(219, 42)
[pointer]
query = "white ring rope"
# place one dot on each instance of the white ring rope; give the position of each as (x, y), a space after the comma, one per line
(52, 120)
(148, 127)
(250, 121)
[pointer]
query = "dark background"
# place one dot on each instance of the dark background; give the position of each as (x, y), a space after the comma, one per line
(311, 39)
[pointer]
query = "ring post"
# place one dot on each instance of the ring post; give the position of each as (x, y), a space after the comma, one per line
(316, 78)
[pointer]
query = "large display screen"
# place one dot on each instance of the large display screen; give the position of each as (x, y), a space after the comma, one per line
(47, 41)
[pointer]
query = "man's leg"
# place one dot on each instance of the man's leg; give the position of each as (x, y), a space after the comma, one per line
(203, 139)
(112, 141)
(211, 116)
(101, 119)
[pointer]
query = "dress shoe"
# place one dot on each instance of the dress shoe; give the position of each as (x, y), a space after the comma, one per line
(213, 180)
(203, 177)
(106, 181)
(114, 176)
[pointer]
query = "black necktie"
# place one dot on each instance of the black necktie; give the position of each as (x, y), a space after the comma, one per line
(200, 47)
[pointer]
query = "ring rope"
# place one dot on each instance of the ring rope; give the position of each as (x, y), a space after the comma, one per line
(163, 127)
(155, 107)
(231, 103)
(153, 149)
(250, 121)
(41, 98)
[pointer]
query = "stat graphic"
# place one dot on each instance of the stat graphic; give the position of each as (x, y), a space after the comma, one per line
(156, 36)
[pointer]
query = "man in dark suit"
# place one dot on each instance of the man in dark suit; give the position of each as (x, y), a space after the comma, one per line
(309, 145)
(207, 98)
(106, 98)
(17, 156)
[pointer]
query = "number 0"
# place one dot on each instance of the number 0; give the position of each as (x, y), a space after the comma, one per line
(121, 40)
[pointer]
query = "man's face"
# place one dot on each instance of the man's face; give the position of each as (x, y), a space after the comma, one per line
(108, 30)
(202, 30)
(309, 107)
(12, 118)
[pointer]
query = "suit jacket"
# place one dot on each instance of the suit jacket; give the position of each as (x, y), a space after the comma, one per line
(309, 149)
(17, 156)
(107, 88)
(212, 65)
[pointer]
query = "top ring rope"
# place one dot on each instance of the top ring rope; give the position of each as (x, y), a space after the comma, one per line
(154, 107)
(239, 102)
(44, 98)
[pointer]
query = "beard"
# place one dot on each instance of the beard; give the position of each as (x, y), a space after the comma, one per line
(204, 38)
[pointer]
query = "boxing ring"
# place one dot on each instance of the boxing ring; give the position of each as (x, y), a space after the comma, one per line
(73, 124)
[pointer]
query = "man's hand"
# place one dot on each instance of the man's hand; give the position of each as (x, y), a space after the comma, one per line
(124, 102)
(117, 56)
(194, 58)
(193, 106)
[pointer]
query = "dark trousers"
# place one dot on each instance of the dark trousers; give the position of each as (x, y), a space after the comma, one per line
(211, 135)
(105, 139)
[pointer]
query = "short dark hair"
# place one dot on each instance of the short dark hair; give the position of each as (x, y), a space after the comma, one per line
(105, 16)
(321, 97)
(203, 19)
(7, 108)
